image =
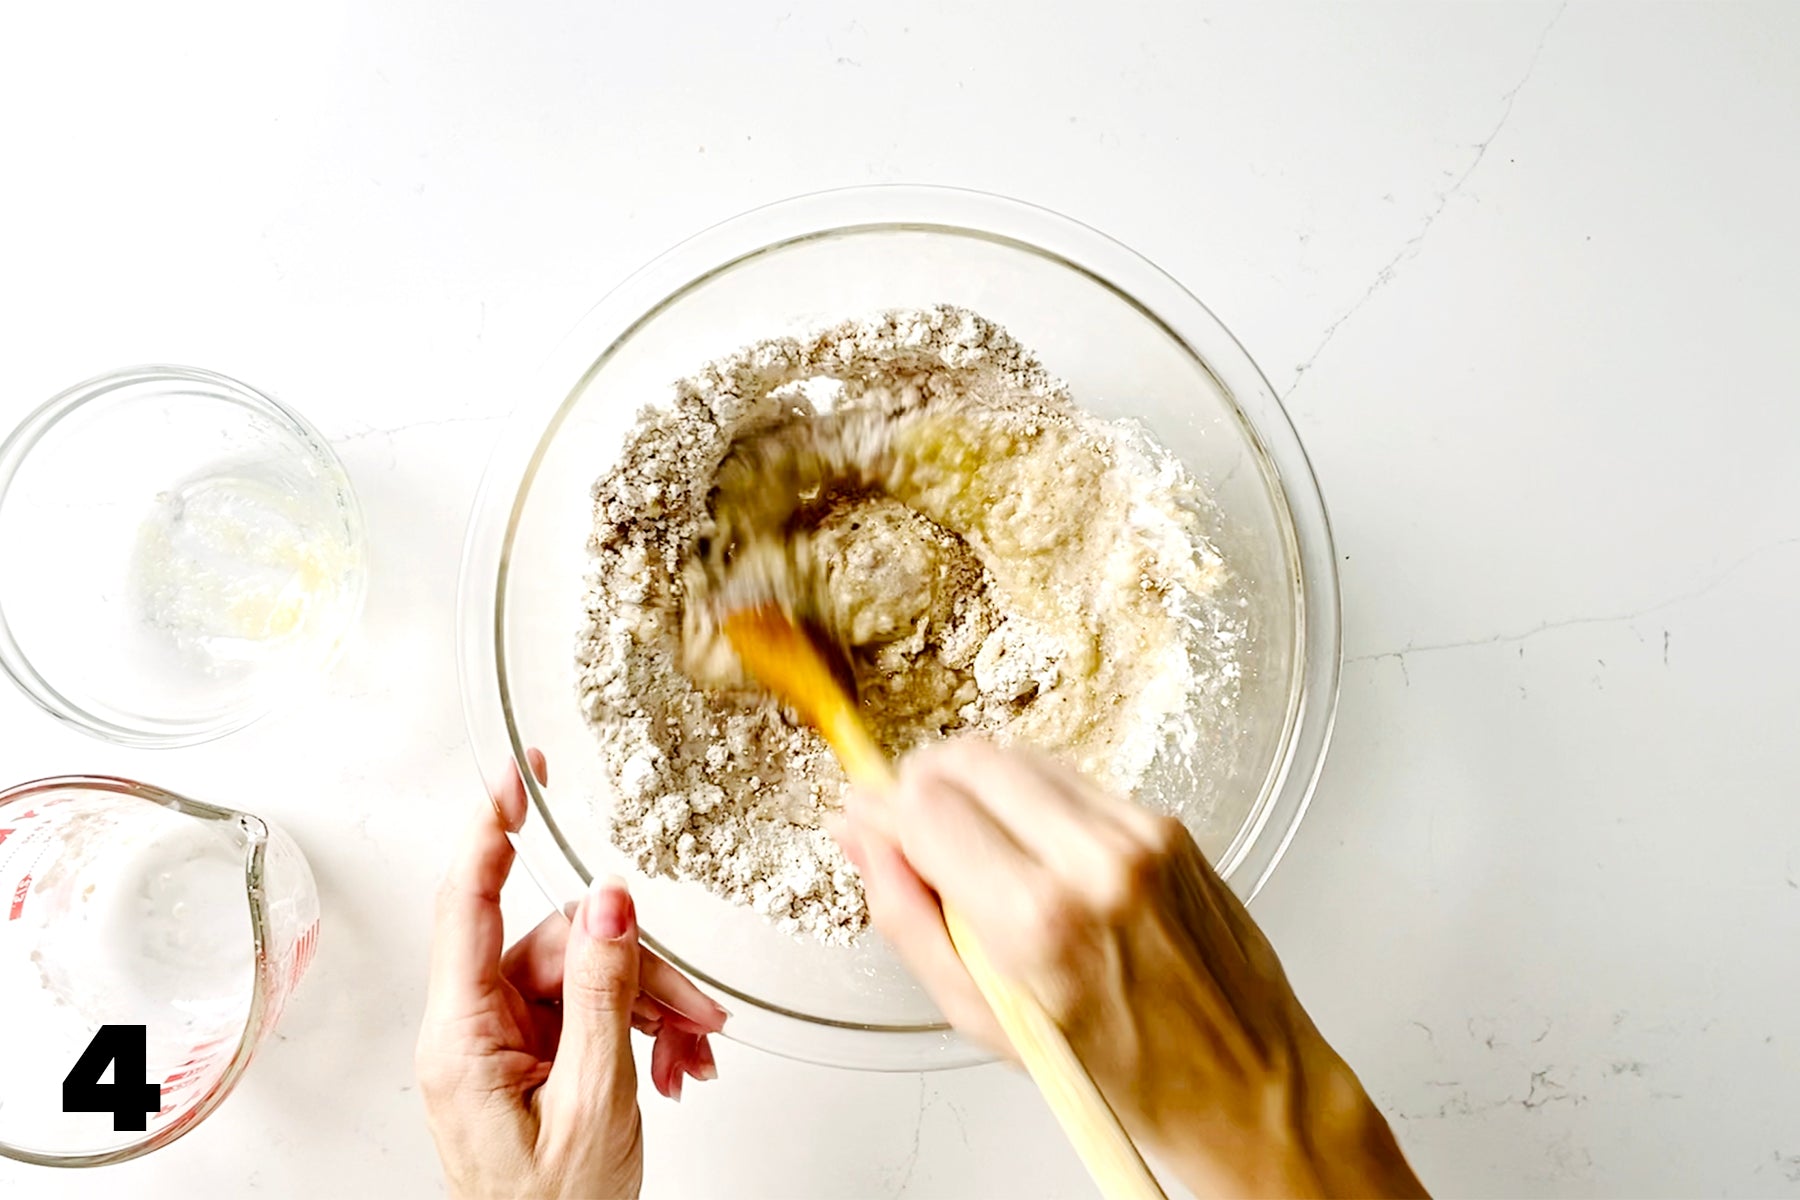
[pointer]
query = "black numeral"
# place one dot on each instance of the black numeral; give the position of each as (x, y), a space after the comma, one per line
(126, 1047)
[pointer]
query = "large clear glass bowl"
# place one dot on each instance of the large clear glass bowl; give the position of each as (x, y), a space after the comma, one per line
(1129, 341)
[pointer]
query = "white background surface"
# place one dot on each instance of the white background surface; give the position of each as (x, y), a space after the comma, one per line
(1526, 276)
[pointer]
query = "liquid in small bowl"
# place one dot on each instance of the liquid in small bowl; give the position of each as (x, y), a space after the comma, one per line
(183, 554)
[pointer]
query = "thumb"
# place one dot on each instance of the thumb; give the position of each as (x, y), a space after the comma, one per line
(593, 1074)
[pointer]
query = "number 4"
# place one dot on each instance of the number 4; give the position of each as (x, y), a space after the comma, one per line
(126, 1047)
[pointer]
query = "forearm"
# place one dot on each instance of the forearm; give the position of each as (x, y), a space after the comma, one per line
(1330, 1142)
(1362, 1158)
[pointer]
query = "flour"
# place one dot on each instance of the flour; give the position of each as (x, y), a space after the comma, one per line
(999, 561)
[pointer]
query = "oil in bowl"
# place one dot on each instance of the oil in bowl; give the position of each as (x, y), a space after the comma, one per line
(182, 554)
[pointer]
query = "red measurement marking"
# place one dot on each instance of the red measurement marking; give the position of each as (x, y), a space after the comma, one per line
(18, 904)
(23, 817)
(303, 954)
(201, 1064)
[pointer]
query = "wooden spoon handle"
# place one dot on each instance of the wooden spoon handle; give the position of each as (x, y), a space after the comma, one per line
(1086, 1118)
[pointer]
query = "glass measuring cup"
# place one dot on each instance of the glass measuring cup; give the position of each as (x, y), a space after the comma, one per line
(126, 906)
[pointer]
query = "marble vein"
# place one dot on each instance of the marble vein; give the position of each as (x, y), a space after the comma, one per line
(1501, 639)
(1411, 246)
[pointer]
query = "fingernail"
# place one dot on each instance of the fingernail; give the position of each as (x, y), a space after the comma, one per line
(708, 1067)
(540, 766)
(704, 1018)
(607, 913)
(675, 1087)
(853, 851)
(714, 1014)
(842, 829)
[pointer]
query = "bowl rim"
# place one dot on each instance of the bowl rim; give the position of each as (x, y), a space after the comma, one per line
(17, 449)
(641, 296)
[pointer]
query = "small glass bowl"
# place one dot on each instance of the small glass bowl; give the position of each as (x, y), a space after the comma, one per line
(182, 554)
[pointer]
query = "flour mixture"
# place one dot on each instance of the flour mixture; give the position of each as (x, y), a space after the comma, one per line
(999, 561)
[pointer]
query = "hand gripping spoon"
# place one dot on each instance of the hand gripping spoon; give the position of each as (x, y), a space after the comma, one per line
(810, 673)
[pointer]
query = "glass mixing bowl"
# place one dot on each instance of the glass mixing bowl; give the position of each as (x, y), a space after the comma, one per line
(1128, 340)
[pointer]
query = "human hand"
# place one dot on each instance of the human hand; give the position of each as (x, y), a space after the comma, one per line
(1112, 918)
(524, 1059)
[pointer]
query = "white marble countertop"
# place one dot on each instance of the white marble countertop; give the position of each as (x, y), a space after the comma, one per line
(1525, 275)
